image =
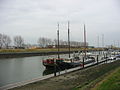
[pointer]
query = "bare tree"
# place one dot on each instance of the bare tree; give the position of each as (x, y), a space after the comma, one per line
(6, 40)
(65, 43)
(61, 42)
(49, 41)
(55, 41)
(43, 42)
(18, 41)
(1, 40)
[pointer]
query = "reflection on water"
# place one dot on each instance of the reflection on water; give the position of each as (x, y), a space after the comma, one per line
(50, 71)
(14, 70)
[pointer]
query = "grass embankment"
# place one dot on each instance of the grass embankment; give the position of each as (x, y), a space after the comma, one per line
(35, 50)
(74, 80)
(110, 82)
(25, 50)
(12, 53)
(44, 50)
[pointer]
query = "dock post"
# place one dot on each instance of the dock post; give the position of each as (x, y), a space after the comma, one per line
(97, 59)
(83, 61)
(54, 68)
(114, 53)
(107, 58)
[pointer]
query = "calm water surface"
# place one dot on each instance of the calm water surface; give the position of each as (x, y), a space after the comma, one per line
(14, 70)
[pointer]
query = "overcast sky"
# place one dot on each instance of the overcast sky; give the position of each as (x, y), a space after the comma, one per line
(38, 18)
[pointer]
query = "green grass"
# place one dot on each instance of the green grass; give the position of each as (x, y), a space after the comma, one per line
(44, 49)
(37, 50)
(102, 75)
(111, 82)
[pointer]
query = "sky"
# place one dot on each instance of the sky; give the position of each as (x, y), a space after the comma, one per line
(32, 19)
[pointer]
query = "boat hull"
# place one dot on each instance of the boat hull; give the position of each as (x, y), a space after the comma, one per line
(63, 65)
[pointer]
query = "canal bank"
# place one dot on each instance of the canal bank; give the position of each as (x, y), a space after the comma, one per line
(28, 54)
(72, 79)
(13, 70)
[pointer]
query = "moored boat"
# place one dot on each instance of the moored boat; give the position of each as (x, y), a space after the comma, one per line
(50, 63)
(88, 60)
(73, 61)
(61, 63)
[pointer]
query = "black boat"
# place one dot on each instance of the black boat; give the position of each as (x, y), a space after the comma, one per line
(60, 62)
(51, 63)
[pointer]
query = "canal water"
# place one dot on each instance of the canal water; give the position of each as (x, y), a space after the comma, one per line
(13, 70)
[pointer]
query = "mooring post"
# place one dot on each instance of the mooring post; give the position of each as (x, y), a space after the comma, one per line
(83, 61)
(103, 55)
(54, 67)
(97, 59)
(107, 58)
(110, 53)
(114, 53)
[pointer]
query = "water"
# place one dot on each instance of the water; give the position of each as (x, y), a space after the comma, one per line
(14, 70)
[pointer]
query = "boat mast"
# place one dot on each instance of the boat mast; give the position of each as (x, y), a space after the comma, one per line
(58, 50)
(69, 39)
(58, 41)
(102, 40)
(98, 41)
(84, 42)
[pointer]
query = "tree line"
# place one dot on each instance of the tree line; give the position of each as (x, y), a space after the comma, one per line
(45, 42)
(18, 42)
(5, 41)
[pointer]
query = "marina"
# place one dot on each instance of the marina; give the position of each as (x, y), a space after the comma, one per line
(59, 44)
(15, 70)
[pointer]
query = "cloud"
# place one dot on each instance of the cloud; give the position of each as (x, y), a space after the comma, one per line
(34, 18)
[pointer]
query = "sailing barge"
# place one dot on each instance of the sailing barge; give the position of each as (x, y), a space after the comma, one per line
(62, 63)
(74, 61)
(67, 63)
